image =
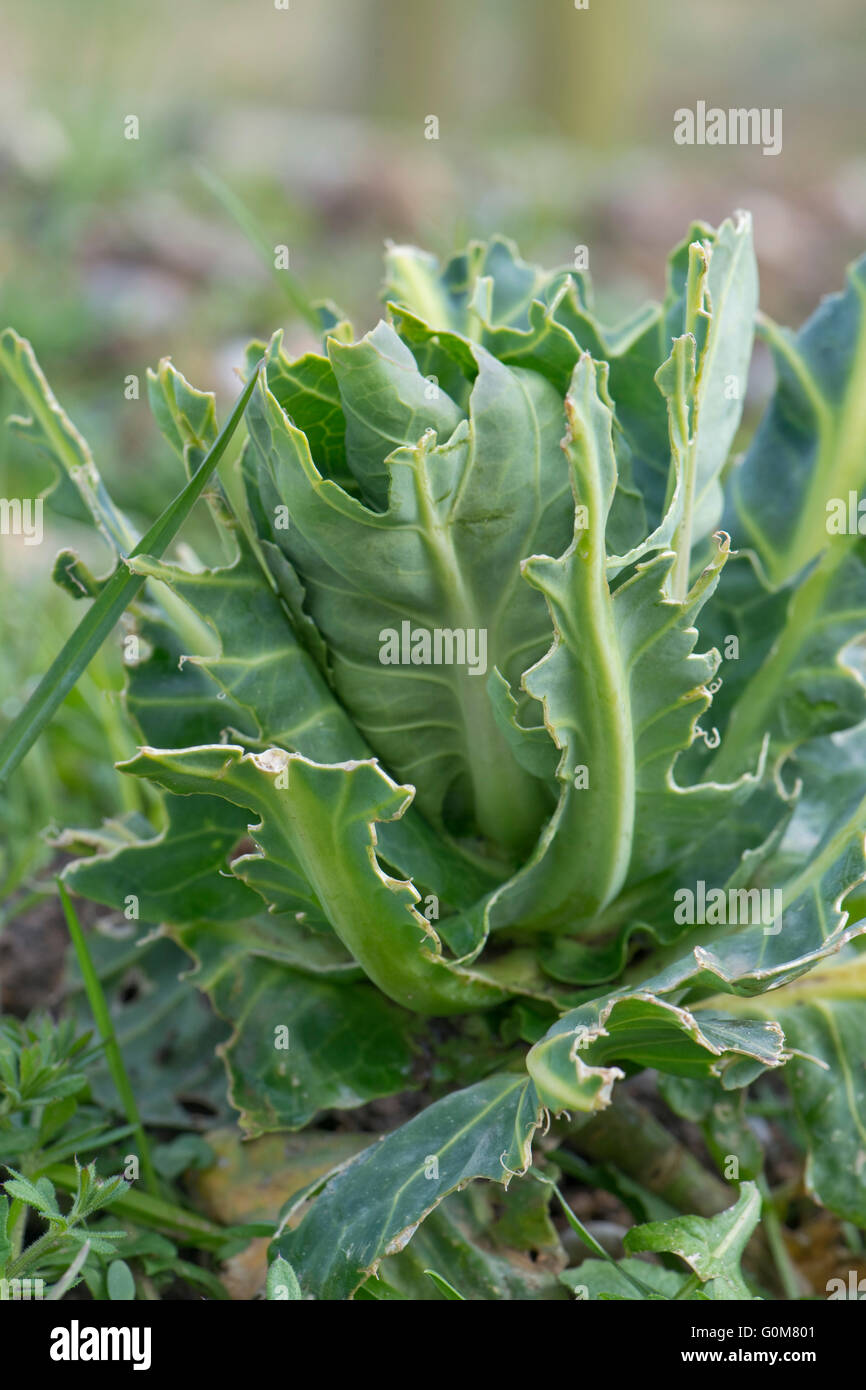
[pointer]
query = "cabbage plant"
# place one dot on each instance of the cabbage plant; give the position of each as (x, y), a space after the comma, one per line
(518, 746)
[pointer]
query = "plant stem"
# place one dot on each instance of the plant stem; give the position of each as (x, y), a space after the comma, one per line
(152, 1212)
(692, 1283)
(627, 1135)
(629, 1138)
(33, 1254)
(589, 1240)
(788, 1277)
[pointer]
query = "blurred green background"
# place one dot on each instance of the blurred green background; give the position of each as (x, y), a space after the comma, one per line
(555, 127)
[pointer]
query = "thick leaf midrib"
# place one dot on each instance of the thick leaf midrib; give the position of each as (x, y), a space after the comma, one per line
(841, 437)
(827, 857)
(499, 785)
(827, 1015)
(531, 528)
(750, 716)
(718, 1251)
(845, 443)
(707, 358)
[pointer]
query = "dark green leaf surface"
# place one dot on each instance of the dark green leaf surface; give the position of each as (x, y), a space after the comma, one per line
(372, 1206)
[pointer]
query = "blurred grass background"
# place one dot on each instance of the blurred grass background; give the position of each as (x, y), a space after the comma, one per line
(555, 127)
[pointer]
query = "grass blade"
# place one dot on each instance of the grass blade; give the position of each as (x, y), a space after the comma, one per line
(448, 1290)
(106, 610)
(287, 282)
(114, 1057)
(589, 1240)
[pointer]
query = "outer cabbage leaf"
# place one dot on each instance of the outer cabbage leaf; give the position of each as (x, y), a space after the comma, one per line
(317, 839)
(372, 1206)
